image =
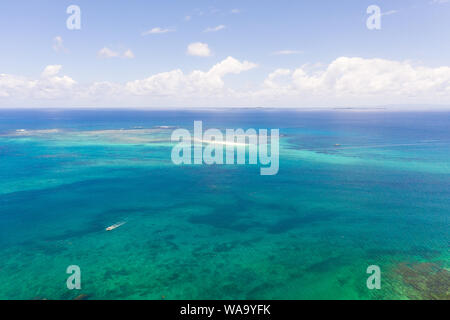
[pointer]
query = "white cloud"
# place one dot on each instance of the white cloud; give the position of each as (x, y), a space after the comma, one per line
(274, 79)
(388, 13)
(108, 53)
(215, 29)
(58, 44)
(235, 11)
(363, 81)
(51, 71)
(128, 54)
(346, 81)
(48, 86)
(167, 87)
(287, 52)
(176, 83)
(158, 30)
(15, 86)
(198, 49)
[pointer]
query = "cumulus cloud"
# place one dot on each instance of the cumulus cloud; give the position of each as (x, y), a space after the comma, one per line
(108, 53)
(349, 81)
(172, 85)
(49, 86)
(158, 30)
(178, 83)
(198, 49)
(215, 29)
(58, 44)
(51, 71)
(358, 79)
(15, 86)
(286, 52)
(128, 54)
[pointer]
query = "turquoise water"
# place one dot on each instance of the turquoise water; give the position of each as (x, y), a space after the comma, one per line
(354, 189)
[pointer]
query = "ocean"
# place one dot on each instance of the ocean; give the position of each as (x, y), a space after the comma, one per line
(354, 189)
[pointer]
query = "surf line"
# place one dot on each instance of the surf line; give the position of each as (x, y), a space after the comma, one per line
(234, 140)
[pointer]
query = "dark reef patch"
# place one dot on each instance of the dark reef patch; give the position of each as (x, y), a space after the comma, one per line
(290, 223)
(424, 280)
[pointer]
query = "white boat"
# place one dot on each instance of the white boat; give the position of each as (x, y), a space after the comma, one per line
(114, 226)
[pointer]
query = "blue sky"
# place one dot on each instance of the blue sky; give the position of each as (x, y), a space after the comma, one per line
(271, 35)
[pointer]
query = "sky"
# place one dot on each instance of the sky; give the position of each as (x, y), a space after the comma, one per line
(229, 53)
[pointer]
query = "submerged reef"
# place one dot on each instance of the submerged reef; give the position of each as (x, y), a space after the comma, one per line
(424, 280)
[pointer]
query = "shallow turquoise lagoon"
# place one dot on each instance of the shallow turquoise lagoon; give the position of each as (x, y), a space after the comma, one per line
(354, 189)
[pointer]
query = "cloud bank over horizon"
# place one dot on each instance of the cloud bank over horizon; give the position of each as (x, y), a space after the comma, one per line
(345, 81)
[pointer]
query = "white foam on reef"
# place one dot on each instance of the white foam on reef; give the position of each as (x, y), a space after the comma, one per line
(25, 132)
(119, 131)
(165, 127)
(225, 143)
